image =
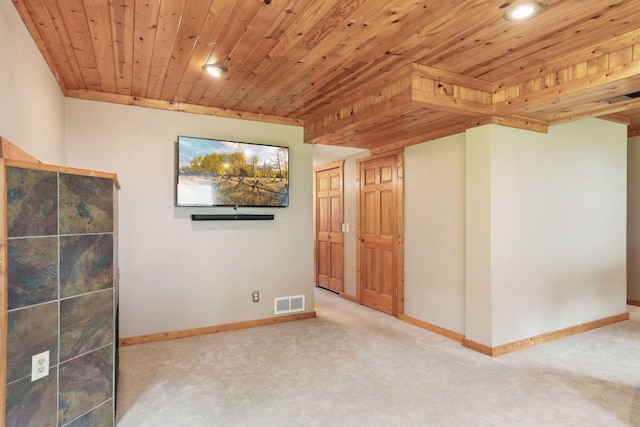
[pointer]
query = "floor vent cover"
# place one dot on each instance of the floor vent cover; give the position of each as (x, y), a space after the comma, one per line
(285, 305)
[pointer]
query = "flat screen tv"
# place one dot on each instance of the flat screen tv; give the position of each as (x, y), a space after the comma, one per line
(214, 172)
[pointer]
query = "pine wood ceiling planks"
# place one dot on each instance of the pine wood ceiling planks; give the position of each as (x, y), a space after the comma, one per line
(308, 62)
(169, 19)
(144, 36)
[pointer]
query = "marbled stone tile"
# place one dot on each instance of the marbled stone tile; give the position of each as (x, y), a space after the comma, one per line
(86, 204)
(86, 323)
(33, 404)
(85, 383)
(102, 416)
(30, 331)
(32, 271)
(86, 263)
(32, 202)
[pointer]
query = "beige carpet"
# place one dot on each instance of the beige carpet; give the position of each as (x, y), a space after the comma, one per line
(353, 366)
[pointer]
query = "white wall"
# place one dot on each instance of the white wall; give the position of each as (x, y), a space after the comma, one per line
(633, 219)
(558, 227)
(434, 187)
(177, 274)
(478, 291)
(31, 102)
(323, 154)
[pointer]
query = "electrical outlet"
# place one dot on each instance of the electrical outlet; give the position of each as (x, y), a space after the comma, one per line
(39, 365)
(255, 296)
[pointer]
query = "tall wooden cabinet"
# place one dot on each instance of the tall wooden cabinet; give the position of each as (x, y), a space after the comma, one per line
(58, 273)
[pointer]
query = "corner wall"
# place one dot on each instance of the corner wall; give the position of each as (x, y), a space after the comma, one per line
(31, 102)
(177, 274)
(633, 219)
(434, 245)
(558, 227)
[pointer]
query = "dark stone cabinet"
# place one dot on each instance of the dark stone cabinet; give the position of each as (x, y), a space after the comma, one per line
(59, 254)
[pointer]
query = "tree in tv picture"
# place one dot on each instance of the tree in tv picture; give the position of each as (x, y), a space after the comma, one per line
(250, 175)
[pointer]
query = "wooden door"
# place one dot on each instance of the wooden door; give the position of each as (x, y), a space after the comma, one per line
(380, 233)
(329, 211)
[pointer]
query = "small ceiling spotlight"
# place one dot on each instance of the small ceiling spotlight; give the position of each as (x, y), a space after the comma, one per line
(215, 70)
(522, 10)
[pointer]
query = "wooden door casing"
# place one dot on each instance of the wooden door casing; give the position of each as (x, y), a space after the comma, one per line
(380, 233)
(329, 218)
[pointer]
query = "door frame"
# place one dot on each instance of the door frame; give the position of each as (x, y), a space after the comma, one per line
(398, 244)
(339, 164)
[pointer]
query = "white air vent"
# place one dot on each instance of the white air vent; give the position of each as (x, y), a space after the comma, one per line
(285, 305)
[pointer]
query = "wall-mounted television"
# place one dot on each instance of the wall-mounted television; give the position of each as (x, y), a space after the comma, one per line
(214, 172)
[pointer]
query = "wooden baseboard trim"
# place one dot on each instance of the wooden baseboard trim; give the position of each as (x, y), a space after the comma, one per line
(633, 302)
(476, 346)
(349, 297)
(172, 335)
(543, 338)
(431, 327)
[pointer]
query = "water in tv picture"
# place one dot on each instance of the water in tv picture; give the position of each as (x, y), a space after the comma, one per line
(213, 172)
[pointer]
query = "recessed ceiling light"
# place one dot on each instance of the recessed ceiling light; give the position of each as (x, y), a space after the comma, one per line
(522, 10)
(215, 69)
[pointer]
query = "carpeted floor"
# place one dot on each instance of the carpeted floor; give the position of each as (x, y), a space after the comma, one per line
(352, 366)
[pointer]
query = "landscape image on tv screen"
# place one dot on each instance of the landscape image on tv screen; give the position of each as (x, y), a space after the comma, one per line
(214, 172)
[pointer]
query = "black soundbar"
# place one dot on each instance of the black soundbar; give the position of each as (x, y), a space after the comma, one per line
(231, 217)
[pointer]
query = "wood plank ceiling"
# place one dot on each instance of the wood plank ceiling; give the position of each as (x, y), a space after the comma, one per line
(379, 74)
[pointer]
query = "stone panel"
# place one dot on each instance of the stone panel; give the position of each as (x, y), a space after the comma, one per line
(86, 323)
(32, 271)
(31, 209)
(30, 331)
(86, 204)
(85, 383)
(86, 263)
(33, 404)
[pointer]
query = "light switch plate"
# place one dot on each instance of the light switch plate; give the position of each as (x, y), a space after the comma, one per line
(39, 365)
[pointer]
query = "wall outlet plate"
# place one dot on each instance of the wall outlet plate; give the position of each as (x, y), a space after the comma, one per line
(39, 365)
(255, 296)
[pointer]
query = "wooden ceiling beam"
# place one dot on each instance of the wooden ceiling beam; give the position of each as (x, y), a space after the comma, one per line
(459, 94)
(599, 111)
(586, 76)
(436, 133)
(617, 118)
(182, 107)
(406, 109)
(418, 87)
(368, 107)
(581, 54)
(358, 116)
(519, 122)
